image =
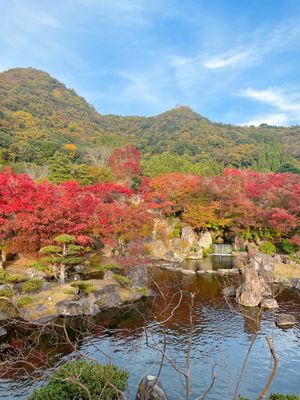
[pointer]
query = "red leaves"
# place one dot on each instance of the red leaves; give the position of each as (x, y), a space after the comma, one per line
(125, 163)
(238, 199)
(31, 214)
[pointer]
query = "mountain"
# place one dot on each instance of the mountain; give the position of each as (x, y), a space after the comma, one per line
(39, 115)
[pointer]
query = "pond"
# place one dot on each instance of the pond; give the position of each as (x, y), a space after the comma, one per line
(221, 338)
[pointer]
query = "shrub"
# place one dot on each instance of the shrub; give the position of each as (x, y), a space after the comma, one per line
(5, 277)
(24, 301)
(32, 285)
(122, 280)
(109, 267)
(144, 291)
(7, 293)
(85, 287)
(278, 396)
(90, 375)
(38, 265)
(176, 231)
(95, 261)
(207, 252)
(287, 247)
(267, 248)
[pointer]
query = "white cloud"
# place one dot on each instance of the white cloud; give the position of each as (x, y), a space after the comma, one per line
(285, 102)
(255, 47)
(272, 119)
(226, 60)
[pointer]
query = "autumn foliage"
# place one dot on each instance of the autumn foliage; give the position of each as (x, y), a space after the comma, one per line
(251, 204)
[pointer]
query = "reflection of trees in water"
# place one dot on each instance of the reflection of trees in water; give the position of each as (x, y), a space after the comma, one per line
(31, 354)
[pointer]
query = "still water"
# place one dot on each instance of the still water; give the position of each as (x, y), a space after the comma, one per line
(221, 338)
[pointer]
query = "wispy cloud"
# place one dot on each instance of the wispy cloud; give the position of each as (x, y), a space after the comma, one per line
(256, 46)
(285, 102)
(272, 119)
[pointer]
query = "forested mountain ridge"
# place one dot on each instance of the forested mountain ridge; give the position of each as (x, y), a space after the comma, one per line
(40, 116)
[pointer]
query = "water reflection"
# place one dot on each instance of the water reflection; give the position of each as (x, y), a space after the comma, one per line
(213, 262)
(221, 338)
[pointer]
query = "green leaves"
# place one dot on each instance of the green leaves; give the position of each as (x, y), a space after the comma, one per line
(64, 238)
(51, 249)
(84, 380)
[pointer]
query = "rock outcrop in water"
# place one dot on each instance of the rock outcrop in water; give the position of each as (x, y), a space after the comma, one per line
(285, 321)
(150, 389)
(249, 294)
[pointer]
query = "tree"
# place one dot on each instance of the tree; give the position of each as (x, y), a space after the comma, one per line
(125, 163)
(288, 167)
(60, 168)
(64, 255)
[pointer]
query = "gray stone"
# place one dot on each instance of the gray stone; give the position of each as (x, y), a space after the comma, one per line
(174, 257)
(229, 291)
(79, 268)
(188, 272)
(108, 275)
(34, 273)
(200, 272)
(233, 271)
(188, 235)
(107, 296)
(174, 269)
(210, 271)
(269, 304)
(285, 321)
(265, 288)
(44, 320)
(222, 271)
(69, 308)
(205, 240)
(3, 333)
(149, 389)
(46, 286)
(264, 265)
(138, 276)
(249, 294)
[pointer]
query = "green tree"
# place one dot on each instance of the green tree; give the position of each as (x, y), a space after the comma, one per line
(64, 255)
(288, 167)
(60, 168)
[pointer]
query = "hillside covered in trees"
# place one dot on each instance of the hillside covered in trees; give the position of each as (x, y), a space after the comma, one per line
(42, 122)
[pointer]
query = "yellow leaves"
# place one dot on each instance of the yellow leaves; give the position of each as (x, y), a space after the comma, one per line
(57, 93)
(24, 120)
(72, 148)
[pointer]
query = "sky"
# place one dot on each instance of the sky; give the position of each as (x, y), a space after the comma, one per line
(232, 61)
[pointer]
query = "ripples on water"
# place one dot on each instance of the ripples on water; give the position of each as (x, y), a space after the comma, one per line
(221, 338)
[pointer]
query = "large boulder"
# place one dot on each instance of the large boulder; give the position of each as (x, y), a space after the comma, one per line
(138, 276)
(269, 304)
(107, 296)
(249, 294)
(188, 235)
(150, 389)
(69, 308)
(285, 321)
(239, 244)
(34, 273)
(264, 265)
(205, 240)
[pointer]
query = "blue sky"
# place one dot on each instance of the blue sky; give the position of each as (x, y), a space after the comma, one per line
(231, 61)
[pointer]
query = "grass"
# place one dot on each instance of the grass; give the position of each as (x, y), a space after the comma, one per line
(122, 280)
